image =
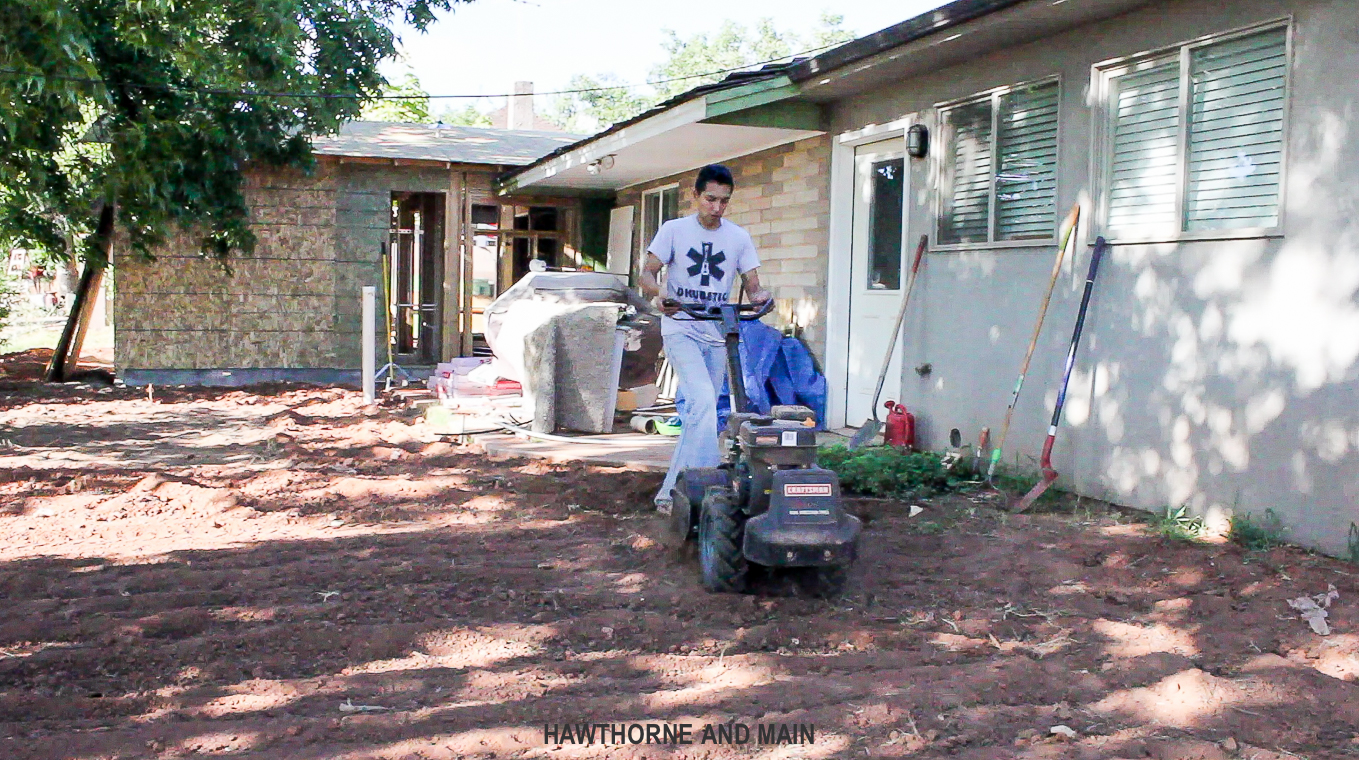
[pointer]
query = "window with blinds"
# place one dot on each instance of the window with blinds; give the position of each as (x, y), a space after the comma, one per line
(999, 180)
(1142, 183)
(1236, 114)
(1195, 138)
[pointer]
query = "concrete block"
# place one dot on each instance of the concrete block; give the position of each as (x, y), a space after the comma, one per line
(803, 279)
(793, 224)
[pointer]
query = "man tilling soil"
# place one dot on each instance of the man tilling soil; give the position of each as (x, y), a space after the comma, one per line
(701, 254)
(286, 573)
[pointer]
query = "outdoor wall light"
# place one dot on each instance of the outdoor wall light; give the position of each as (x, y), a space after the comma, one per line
(918, 141)
(600, 164)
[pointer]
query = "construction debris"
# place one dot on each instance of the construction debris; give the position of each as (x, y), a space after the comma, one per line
(1313, 608)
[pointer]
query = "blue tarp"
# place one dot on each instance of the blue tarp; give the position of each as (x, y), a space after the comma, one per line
(778, 370)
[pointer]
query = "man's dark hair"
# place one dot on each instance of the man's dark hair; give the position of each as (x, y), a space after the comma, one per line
(713, 173)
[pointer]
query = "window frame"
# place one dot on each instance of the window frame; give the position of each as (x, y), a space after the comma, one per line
(1101, 160)
(656, 192)
(942, 150)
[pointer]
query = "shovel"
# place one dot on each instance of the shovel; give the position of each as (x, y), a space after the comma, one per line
(1049, 474)
(870, 429)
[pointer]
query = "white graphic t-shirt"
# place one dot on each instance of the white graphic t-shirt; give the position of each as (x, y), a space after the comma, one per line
(701, 266)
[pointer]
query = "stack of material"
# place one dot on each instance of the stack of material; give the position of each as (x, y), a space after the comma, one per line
(568, 339)
(551, 291)
(571, 364)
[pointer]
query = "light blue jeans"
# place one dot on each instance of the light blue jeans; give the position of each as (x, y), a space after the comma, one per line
(701, 369)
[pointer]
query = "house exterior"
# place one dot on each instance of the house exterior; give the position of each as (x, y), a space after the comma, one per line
(1212, 144)
(291, 310)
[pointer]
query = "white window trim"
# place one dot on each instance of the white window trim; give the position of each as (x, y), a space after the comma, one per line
(1101, 159)
(642, 230)
(939, 151)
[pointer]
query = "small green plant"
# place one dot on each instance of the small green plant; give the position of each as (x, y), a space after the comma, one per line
(1017, 482)
(1353, 543)
(886, 471)
(1256, 535)
(1014, 481)
(1177, 523)
(929, 528)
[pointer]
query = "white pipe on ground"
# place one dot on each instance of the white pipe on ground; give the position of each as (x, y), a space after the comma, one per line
(369, 298)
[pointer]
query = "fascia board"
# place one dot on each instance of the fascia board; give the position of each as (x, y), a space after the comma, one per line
(686, 113)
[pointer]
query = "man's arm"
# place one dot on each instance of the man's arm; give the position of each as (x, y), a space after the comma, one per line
(751, 282)
(651, 287)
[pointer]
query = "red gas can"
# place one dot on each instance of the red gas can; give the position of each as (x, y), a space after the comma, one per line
(900, 430)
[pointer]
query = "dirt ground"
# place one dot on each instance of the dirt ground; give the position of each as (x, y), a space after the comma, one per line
(283, 573)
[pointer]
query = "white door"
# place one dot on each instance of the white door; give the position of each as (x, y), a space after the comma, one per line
(620, 241)
(877, 275)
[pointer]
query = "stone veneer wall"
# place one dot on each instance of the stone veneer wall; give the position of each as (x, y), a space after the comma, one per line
(783, 199)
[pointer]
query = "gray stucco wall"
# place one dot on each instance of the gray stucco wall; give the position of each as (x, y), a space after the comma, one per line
(1221, 375)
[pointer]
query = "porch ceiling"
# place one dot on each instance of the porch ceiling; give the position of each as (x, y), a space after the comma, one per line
(702, 131)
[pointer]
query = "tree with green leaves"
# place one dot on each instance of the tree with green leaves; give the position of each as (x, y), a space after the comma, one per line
(405, 101)
(690, 62)
(597, 103)
(465, 117)
(156, 107)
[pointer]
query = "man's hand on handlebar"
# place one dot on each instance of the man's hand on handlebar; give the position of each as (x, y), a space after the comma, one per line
(745, 312)
(760, 296)
(668, 306)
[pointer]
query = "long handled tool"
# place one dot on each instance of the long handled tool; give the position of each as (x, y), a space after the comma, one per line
(1072, 221)
(1050, 474)
(870, 429)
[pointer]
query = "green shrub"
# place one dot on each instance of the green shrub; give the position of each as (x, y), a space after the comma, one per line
(9, 295)
(1178, 524)
(886, 471)
(1353, 543)
(1265, 533)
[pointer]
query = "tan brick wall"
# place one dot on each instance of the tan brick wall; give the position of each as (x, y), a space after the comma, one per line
(782, 198)
(275, 308)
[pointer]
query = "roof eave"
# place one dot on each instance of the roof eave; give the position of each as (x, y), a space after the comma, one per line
(774, 86)
(933, 22)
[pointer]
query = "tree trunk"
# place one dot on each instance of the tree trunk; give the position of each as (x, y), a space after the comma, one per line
(67, 353)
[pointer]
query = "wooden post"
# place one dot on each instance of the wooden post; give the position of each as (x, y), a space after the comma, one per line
(454, 252)
(67, 353)
(468, 256)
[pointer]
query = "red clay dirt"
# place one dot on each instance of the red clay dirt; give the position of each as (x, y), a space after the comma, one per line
(283, 573)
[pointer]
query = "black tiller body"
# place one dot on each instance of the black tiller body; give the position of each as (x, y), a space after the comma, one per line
(768, 502)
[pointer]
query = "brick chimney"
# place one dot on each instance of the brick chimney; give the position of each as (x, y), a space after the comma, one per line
(520, 110)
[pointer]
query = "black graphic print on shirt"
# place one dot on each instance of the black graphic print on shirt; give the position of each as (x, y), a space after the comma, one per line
(707, 265)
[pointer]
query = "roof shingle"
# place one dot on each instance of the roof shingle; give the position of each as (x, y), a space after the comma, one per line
(428, 142)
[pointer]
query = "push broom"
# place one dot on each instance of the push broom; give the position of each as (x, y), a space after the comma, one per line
(1050, 474)
(1070, 223)
(870, 429)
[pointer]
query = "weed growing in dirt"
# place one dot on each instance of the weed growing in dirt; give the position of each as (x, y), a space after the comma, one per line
(1353, 543)
(1014, 481)
(1266, 533)
(929, 528)
(1178, 524)
(886, 471)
